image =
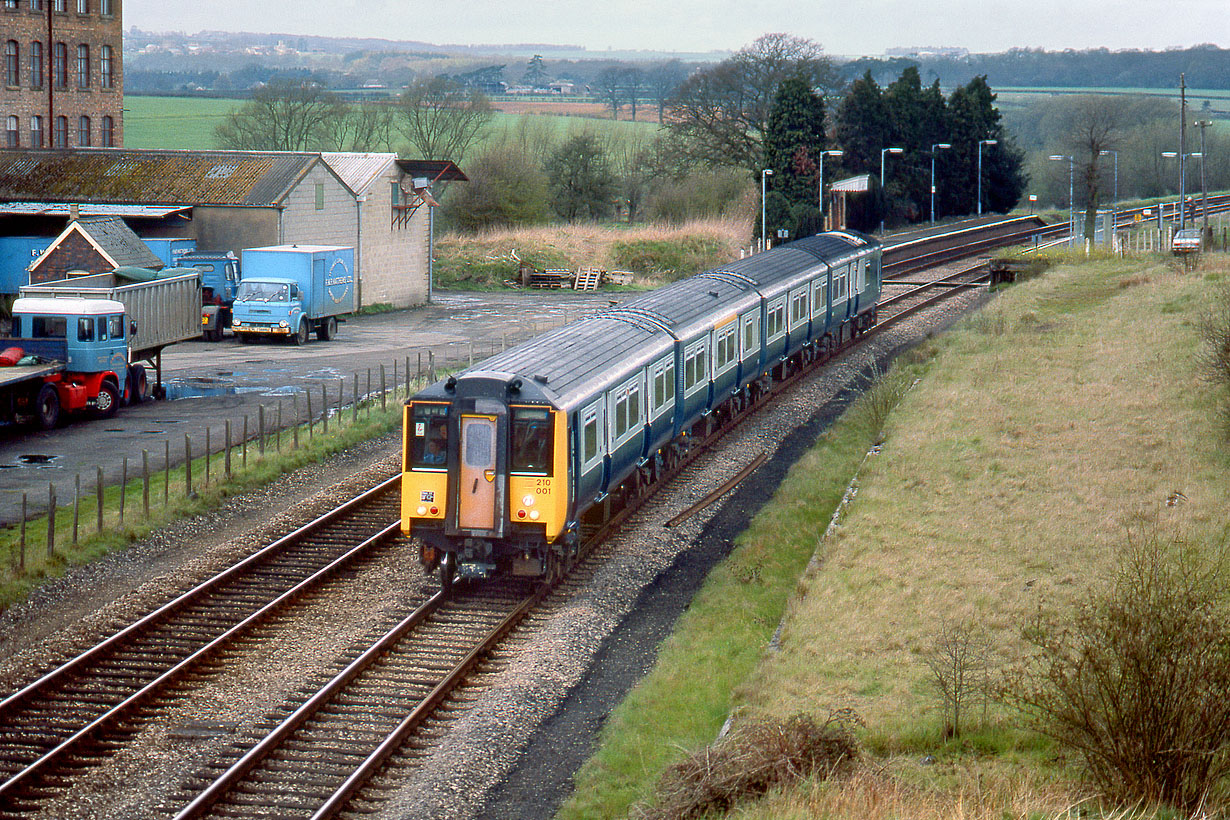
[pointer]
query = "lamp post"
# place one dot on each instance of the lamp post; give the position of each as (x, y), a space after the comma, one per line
(1182, 186)
(883, 152)
(764, 175)
(1204, 192)
(934, 147)
(823, 154)
(980, 144)
(1116, 156)
(1071, 189)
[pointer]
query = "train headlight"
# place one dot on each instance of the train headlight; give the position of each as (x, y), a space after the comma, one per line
(528, 501)
(422, 511)
(521, 513)
(435, 511)
(533, 515)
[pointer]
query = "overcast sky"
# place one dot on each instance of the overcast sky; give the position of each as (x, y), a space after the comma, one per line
(843, 27)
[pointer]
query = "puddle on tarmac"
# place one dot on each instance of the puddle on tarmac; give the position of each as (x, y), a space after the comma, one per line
(36, 460)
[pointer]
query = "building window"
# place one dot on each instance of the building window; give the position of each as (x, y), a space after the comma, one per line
(320, 196)
(83, 66)
(11, 5)
(12, 63)
(83, 6)
(36, 65)
(107, 8)
(61, 135)
(83, 131)
(36, 5)
(36, 132)
(108, 132)
(105, 77)
(59, 5)
(11, 124)
(59, 65)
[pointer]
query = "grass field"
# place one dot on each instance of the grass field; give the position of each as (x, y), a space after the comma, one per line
(189, 122)
(1040, 432)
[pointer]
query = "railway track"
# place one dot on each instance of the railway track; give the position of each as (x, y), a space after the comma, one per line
(315, 757)
(75, 714)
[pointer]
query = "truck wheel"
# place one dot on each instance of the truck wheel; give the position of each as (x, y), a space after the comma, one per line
(301, 335)
(48, 407)
(138, 384)
(108, 400)
(327, 329)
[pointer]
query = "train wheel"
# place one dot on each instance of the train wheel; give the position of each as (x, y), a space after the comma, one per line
(448, 570)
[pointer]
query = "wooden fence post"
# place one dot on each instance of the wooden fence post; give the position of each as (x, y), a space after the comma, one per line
(226, 459)
(208, 450)
(243, 445)
(308, 395)
(324, 409)
(76, 506)
(21, 539)
(383, 392)
(123, 489)
(166, 477)
(354, 408)
(145, 482)
(99, 496)
(277, 430)
(260, 425)
(51, 519)
(187, 466)
(295, 417)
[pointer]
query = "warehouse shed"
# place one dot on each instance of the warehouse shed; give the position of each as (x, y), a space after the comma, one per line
(231, 200)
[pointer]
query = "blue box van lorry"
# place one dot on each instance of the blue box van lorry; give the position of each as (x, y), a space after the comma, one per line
(289, 291)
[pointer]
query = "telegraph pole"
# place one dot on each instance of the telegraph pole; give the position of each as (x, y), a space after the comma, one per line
(1182, 151)
(1204, 191)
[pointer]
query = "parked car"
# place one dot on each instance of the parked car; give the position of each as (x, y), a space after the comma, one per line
(1186, 241)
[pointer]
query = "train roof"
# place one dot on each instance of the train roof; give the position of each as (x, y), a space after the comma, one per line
(574, 359)
(685, 306)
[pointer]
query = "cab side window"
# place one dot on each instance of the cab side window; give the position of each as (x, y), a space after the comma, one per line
(117, 327)
(532, 440)
(429, 443)
(85, 329)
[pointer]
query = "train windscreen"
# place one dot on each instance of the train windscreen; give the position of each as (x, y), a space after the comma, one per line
(533, 440)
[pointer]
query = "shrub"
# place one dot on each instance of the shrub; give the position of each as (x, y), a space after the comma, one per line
(700, 195)
(1135, 680)
(751, 761)
(1215, 333)
(506, 189)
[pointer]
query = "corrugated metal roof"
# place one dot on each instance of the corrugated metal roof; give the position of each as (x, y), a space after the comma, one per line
(119, 176)
(852, 185)
(357, 171)
(89, 209)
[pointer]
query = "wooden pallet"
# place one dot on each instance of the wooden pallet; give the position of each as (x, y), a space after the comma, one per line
(588, 279)
(546, 278)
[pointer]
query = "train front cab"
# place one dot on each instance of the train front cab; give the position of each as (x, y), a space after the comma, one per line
(484, 483)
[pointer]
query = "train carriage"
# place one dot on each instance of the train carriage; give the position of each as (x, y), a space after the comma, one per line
(503, 462)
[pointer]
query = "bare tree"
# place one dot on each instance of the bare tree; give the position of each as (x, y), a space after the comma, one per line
(959, 663)
(662, 81)
(284, 115)
(719, 114)
(610, 84)
(1096, 125)
(441, 118)
(363, 126)
(633, 80)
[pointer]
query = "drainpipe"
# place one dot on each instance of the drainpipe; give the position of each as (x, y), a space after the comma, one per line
(49, 56)
(431, 245)
(281, 229)
(358, 251)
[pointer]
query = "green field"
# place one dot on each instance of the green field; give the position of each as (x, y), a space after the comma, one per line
(188, 122)
(173, 122)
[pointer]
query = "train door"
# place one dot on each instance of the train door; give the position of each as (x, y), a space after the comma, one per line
(476, 490)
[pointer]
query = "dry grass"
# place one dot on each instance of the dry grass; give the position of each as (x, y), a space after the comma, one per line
(486, 259)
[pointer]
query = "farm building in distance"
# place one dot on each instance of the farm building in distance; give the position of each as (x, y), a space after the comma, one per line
(231, 200)
(92, 245)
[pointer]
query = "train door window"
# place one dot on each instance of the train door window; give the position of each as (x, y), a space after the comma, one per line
(695, 371)
(634, 405)
(798, 308)
(819, 299)
(663, 387)
(751, 334)
(724, 345)
(85, 329)
(428, 444)
(621, 414)
(116, 330)
(533, 440)
(775, 322)
(591, 442)
(860, 275)
(840, 280)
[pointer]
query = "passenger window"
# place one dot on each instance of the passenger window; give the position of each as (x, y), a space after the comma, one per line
(85, 329)
(429, 442)
(621, 415)
(634, 407)
(670, 383)
(818, 299)
(533, 440)
(751, 336)
(589, 444)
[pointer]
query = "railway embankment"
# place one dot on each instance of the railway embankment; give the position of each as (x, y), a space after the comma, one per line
(1001, 471)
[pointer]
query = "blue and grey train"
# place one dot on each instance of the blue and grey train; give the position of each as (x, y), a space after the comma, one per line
(505, 462)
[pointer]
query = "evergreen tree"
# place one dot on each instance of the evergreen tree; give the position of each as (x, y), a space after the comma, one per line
(908, 179)
(794, 138)
(974, 117)
(582, 184)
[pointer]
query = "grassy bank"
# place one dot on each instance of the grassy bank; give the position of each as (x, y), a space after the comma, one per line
(124, 517)
(654, 254)
(1066, 414)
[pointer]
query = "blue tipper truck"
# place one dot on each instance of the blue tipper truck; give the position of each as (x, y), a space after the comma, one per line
(291, 290)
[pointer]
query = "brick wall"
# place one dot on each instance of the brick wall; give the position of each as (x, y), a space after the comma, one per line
(74, 253)
(25, 23)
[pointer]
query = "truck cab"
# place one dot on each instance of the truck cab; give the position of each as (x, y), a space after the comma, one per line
(219, 283)
(89, 336)
(269, 306)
